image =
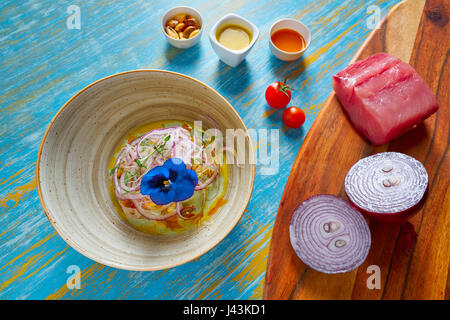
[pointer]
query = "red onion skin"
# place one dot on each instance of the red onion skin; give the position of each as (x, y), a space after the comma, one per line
(407, 238)
(396, 217)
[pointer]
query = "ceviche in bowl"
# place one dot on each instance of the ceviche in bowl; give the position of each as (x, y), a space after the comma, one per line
(134, 171)
(167, 178)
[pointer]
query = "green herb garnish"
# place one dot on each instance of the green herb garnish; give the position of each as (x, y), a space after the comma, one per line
(111, 171)
(127, 177)
(159, 149)
(140, 164)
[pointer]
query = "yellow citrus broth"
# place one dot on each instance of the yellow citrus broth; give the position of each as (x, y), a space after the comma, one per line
(173, 225)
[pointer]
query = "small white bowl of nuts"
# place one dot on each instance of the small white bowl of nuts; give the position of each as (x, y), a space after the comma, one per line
(182, 26)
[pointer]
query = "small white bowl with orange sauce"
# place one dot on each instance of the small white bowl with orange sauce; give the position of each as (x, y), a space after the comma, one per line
(289, 38)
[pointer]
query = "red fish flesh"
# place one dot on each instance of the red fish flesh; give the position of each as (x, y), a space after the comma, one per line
(383, 97)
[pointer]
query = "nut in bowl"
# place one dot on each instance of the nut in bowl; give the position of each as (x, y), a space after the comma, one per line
(182, 26)
(74, 162)
(289, 38)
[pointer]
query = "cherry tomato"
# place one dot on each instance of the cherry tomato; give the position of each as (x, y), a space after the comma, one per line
(278, 95)
(294, 117)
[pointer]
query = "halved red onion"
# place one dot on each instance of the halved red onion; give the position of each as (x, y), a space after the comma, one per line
(329, 235)
(386, 185)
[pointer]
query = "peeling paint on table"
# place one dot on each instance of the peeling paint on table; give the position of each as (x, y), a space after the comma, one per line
(43, 63)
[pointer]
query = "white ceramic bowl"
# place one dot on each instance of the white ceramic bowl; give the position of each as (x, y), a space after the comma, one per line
(294, 25)
(72, 167)
(185, 43)
(232, 57)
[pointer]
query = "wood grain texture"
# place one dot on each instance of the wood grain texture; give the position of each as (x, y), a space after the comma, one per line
(43, 64)
(332, 146)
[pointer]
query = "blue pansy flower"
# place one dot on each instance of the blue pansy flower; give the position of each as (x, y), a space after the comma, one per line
(171, 182)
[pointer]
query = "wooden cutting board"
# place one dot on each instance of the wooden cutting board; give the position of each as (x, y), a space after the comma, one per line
(418, 32)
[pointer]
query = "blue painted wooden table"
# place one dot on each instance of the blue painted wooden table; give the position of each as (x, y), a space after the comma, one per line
(43, 63)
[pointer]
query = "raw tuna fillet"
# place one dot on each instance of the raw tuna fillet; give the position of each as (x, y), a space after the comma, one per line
(383, 97)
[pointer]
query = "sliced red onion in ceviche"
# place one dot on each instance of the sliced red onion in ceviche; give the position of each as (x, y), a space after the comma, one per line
(386, 185)
(138, 157)
(329, 235)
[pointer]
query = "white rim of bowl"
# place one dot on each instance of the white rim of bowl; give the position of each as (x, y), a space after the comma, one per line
(118, 265)
(182, 7)
(296, 21)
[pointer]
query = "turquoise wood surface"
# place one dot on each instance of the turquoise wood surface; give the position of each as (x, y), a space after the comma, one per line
(43, 63)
